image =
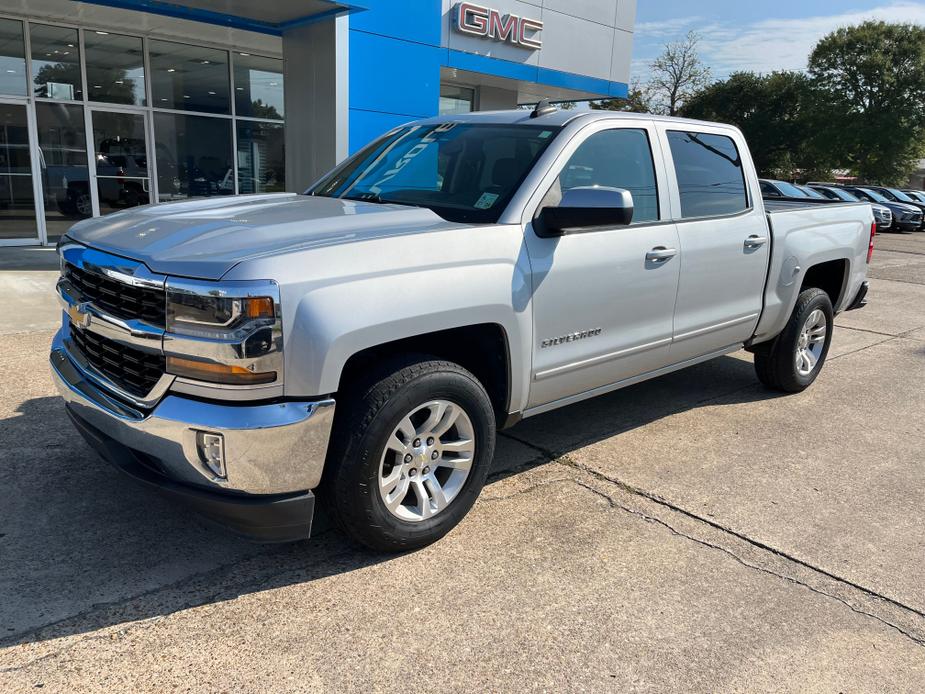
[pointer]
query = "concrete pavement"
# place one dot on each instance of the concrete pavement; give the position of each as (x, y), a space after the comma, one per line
(693, 533)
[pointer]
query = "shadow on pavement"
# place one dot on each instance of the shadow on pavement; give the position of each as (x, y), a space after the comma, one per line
(83, 548)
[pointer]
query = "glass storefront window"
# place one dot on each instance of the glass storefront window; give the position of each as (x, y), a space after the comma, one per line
(115, 68)
(193, 155)
(55, 62)
(189, 78)
(455, 99)
(65, 174)
(261, 158)
(12, 58)
(17, 201)
(121, 160)
(258, 86)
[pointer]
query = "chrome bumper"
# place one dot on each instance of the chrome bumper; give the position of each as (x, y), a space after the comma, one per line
(270, 449)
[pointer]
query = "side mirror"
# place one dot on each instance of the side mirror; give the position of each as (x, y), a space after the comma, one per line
(585, 208)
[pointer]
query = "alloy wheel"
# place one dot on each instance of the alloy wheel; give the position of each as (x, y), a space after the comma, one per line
(426, 460)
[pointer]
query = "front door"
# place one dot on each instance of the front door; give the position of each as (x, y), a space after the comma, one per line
(603, 302)
(120, 160)
(18, 217)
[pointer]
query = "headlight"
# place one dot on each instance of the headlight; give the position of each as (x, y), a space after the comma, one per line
(217, 316)
(226, 333)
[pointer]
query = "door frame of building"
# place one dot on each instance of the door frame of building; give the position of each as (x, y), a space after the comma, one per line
(35, 162)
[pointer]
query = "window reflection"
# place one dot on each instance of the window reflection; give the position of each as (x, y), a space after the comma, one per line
(115, 68)
(65, 174)
(188, 78)
(12, 58)
(17, 201)
(261, 159)
(258, 86)
(55, 62)
(193, 156)
(121, 160)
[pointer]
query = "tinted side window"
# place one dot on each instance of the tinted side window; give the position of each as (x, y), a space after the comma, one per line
(617, 159)
(709, 171)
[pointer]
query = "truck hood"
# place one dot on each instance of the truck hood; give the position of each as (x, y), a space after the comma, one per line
(205, 238)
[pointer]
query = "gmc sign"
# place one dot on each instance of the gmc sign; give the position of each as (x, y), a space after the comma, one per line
(476, 20)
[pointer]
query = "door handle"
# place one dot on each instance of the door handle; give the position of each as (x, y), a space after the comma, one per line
(660, 254)
(754, 241)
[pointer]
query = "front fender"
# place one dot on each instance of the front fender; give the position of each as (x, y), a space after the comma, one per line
(340, 300)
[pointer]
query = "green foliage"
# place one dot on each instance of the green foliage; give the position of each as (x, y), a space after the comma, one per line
(778, 114)
(637, 100)
(872, 77)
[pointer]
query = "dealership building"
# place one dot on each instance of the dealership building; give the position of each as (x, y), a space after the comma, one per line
(107, 104)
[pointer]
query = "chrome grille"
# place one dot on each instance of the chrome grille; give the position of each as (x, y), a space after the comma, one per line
(132, 370)
(118, 298)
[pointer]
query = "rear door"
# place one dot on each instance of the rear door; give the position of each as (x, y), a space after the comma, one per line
(724, 239)
(602, 306)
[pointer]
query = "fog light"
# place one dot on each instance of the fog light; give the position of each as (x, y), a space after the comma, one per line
(212, 452)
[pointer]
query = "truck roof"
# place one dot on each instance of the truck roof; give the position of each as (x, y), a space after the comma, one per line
(557, 118)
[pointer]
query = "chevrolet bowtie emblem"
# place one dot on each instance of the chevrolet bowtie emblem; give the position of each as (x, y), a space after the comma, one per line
(79, 315)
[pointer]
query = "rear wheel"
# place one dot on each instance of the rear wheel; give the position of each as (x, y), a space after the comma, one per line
(794, 359)
(410, 454)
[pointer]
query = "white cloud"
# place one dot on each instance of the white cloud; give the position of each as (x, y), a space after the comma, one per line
(775, 44)
(665, 29)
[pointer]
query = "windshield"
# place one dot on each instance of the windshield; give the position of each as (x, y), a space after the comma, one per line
(464, 172)
(844, 195)
(873, 194)
(899, 195)
(812, 193)
(915, 195)
(789, 190)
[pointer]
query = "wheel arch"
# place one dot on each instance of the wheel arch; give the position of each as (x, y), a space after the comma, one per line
(482, 348)
(831, 276)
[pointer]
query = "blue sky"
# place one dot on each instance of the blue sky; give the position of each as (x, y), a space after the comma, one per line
(759, 35)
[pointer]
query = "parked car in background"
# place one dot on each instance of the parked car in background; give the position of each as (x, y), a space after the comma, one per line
(771, 188)
(916, 194)
(905, 217)
(810, 192)
(898, 196)
(882, 214)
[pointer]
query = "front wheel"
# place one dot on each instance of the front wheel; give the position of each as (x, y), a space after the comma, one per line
(794, 359)
(410, 454)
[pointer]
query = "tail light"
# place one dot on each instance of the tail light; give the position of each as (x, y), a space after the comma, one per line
(870, 248)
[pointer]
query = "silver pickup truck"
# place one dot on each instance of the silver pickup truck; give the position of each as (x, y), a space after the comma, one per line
(362, 342)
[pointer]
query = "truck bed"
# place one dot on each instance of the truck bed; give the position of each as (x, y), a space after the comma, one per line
(789, 204)
(806, 233)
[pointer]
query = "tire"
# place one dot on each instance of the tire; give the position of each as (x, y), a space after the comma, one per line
(372, 426)
(780, 365)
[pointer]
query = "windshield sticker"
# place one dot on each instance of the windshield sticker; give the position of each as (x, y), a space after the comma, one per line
(486, 201)
(545, 134)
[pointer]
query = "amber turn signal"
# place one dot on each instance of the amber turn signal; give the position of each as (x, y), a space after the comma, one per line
(217, 373)
(259, 308)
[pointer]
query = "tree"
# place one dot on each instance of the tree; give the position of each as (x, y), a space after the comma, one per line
(873, 78)
(638, 100)
(677, 75)
(777, 113)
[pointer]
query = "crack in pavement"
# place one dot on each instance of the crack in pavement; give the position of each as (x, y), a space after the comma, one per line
(790, 579)
(630, 489)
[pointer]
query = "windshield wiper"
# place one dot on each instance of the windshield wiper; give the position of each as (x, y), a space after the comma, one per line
(377, 199)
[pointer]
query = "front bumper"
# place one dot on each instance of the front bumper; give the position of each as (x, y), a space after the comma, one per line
(274, 453)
